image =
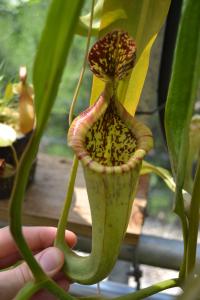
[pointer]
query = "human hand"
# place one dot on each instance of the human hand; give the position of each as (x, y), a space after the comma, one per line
(51, 259)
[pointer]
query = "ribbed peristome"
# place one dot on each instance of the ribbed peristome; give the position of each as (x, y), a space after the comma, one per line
(93, 133)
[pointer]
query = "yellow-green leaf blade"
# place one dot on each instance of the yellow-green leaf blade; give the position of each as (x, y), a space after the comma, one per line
(142, 20)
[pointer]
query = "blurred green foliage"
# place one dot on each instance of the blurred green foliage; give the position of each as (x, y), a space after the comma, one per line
(20, 29)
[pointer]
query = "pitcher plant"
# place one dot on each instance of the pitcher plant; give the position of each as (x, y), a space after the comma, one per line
(110, 144)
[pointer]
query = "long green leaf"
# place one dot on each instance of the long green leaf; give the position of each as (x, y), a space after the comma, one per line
(168, 180)
(163, 173)
(52, 53)
(183, 86)
(49, 64)
(142, 19)
(180, 103)
(182, 90)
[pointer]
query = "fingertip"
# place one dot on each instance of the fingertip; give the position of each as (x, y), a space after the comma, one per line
(70, 238)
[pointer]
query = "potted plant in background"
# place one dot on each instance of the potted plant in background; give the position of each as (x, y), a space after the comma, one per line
(16, 126)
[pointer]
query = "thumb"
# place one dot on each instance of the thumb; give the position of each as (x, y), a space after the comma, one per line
(51, 260)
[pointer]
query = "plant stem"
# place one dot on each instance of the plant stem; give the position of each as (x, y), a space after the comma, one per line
(32, 287)
(151, 290)
(29, 290)
(193, 223)
(83, 67)
(15, 157)
(15, 209)
(184, 224)
(62, 221)
(60, 293)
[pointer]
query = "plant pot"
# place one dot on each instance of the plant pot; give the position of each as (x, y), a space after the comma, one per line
(7, 180)
(19, 145)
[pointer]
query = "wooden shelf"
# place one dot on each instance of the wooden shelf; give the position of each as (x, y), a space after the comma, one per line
(44, 200)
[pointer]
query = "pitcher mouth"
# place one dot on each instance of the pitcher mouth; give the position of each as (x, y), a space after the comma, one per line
(101, 151)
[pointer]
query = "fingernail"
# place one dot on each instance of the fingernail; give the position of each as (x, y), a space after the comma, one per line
(51, 259)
